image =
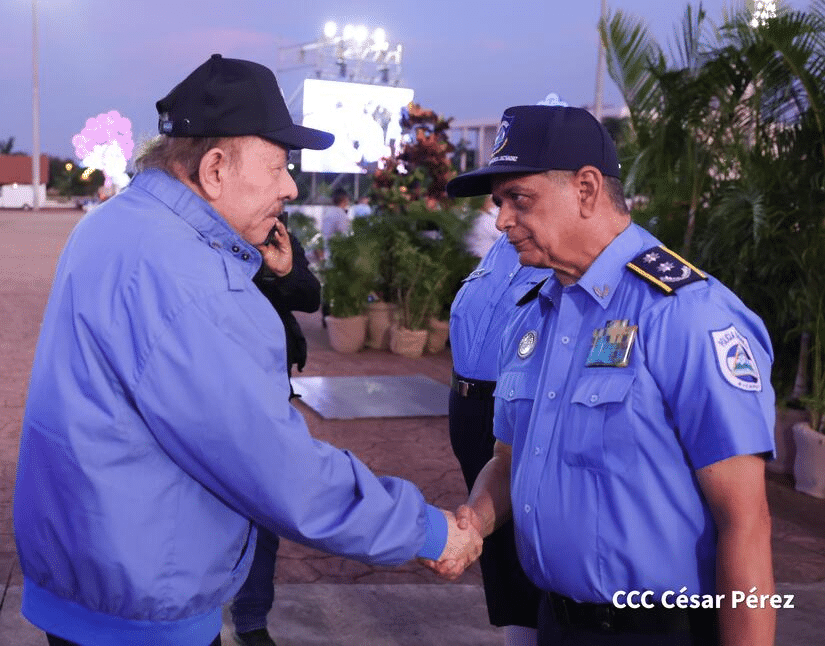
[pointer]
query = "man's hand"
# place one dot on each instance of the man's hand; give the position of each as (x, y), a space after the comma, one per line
(467, 517)
(462, 549)
(277, 252)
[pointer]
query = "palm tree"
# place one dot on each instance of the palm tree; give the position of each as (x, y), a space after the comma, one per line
(674, 118)
(731, 151)
(7, 146)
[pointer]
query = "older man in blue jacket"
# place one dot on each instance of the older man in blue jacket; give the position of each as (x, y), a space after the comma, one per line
(152, 441)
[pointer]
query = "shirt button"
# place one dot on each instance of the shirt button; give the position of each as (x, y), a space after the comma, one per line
(512, 392)
(565, 340)
(527, 509)
(551, 394)
(594, 398)
(538, 450)
(235, 248)
(245, 256)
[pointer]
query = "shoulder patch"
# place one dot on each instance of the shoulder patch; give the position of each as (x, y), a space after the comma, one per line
(532, 294)
(665, 269)
(736, 361)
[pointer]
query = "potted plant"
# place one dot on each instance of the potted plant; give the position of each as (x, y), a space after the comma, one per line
(809, 463)
(347, 279)
(417, 280)
(378, 232)
(420, 231)
(380, 317)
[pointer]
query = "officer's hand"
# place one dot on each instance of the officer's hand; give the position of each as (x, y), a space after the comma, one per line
(467, 517)
(462, 549)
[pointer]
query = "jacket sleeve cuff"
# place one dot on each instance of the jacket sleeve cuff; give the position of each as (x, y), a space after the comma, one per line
(436, 533)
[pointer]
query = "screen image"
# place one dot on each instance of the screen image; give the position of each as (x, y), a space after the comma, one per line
(365, 119)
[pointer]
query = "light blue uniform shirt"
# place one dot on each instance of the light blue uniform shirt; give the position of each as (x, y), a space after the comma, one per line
(604, 490)
(483, 306)
(158, 426)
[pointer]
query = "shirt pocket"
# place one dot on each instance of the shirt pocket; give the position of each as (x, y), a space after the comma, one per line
(598, 433)
(514, 396)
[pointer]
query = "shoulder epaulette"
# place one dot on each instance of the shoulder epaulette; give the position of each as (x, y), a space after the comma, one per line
(533, 293)
(665, 269)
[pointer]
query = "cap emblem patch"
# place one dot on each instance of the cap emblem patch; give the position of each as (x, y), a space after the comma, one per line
(501, 136)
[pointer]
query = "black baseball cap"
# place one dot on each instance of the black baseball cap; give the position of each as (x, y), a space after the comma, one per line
(229, 97)
(538, 138)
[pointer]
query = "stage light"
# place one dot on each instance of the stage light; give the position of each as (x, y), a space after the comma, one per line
(763, 10)
(351, 52)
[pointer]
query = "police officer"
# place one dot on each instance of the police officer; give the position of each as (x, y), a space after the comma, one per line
(633, 408)
(482, 307)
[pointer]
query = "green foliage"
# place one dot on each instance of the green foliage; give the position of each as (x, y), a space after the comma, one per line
(70, 179)
(7, 146)
(349, 274)
(303, 227)
(727, 164)
(419, 231)
(418, 280)
(815, 400)
(410, 250)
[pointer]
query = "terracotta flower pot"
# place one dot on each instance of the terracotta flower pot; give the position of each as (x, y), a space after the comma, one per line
(809, 464)
(407, 343)
(439, 331)
(347, 334)
(380, 315)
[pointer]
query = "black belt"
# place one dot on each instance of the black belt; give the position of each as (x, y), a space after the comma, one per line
(605, 617)
(472, 388)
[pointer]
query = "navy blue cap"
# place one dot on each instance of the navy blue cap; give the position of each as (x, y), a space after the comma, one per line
(229, 97)
(538, 138)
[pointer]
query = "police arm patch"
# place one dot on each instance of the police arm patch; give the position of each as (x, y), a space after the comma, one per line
(735, 359)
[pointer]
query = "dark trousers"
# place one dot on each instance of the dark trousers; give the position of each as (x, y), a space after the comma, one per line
(554, 632)
(256, 596)
(56, 641)
(512, 599)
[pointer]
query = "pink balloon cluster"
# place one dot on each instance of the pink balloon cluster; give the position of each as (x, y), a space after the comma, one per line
(106, 128)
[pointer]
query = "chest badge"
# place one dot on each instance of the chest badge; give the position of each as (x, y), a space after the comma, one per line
(527, 344)
(611, 345)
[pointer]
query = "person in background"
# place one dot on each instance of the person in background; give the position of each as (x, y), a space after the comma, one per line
(336, 219)
(483, 233)
(361, 208)
(481, 309)
(297, 291)
(633, 410)
(157, 433)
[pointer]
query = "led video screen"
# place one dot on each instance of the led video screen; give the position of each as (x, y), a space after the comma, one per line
(365, 120)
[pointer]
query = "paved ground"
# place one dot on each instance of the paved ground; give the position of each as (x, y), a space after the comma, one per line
(324, 599)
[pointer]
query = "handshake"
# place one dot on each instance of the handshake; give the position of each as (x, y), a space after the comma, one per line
(464, 543)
